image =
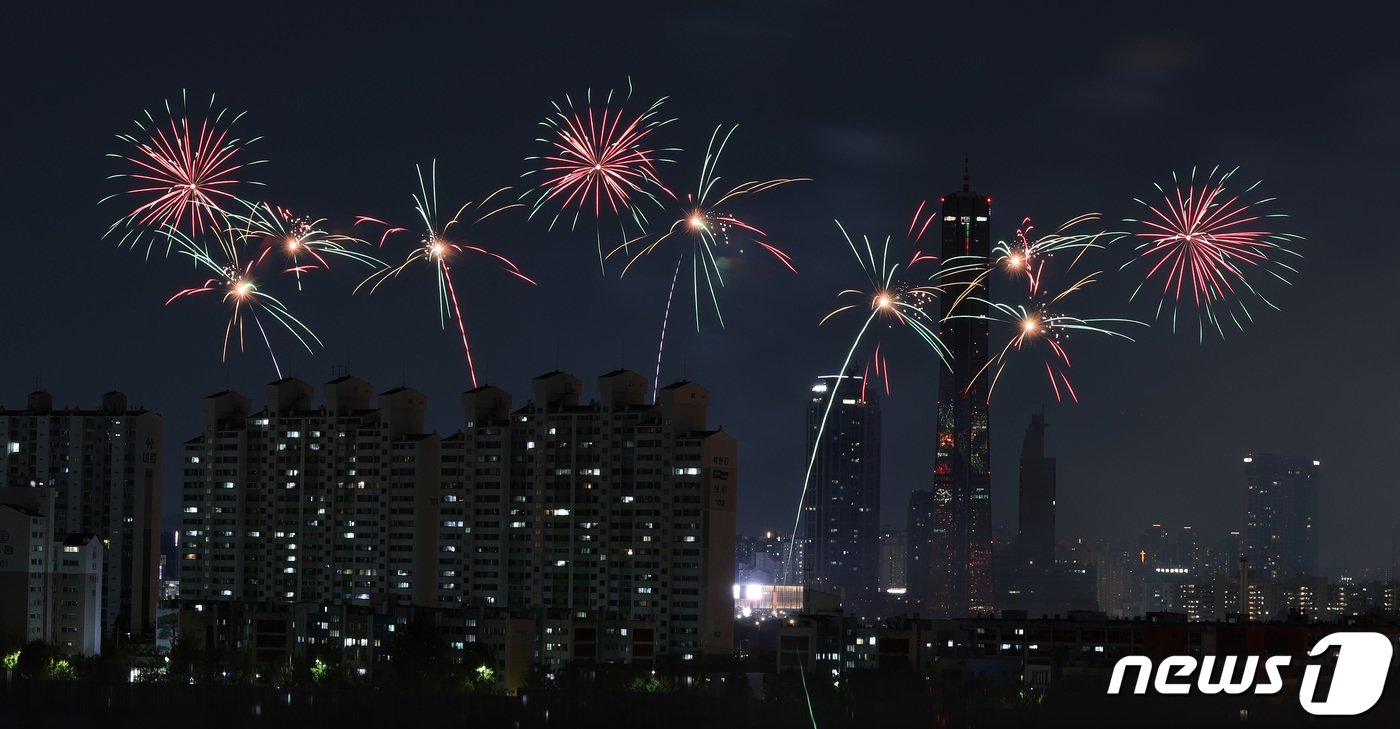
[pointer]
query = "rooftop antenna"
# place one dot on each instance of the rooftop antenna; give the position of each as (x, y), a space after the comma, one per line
(967, 175)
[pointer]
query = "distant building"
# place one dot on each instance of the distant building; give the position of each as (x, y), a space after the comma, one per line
(760, 559)
(894, 560)
(921, 534)
(842, 513)
(960, 581)
(1035, 540)
(105, 469)
(1281, 516)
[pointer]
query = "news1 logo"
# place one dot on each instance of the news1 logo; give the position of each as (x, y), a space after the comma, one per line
(1363, 661)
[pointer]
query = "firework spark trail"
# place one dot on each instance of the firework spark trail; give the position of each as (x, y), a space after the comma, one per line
(656, 382)
(182, 173)
(1041, 321)
(1203, 241)
(268, 343)
(821, 430)
(275, 228)
(713, 229)
(436, 248)
(889, 295)
(597, 155)
(237, 280)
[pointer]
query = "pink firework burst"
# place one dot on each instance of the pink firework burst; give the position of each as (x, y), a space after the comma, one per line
(600, 160)
(1203, 242)
(182, 172)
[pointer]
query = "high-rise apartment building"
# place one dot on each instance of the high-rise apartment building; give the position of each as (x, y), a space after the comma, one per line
(613, 514)
(960, 577)
(104, 469)
(1281, 516)
(842, 514)
(608, 525)
(299, 503)
(50, 583)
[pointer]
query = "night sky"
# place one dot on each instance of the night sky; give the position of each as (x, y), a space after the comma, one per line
(1067, 110)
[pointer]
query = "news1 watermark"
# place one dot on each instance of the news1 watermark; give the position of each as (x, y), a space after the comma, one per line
(1358, 677)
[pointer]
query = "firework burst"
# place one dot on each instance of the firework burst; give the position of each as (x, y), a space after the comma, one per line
(1202, 241)
(1041, 328)
(715, 231)
(600, 160)
(301, 240)
(889, 298)
(182, 173)
(437, 248)
(236, 280)
(1027, 256)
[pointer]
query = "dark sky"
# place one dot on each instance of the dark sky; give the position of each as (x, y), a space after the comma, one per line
(1066, 110)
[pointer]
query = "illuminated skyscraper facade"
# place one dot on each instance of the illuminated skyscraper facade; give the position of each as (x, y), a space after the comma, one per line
(960, 563)
(843, 514)
(1281, 516)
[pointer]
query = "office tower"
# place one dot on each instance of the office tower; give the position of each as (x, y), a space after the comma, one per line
(1035, 540)
(960, 578)
(842, 512)
(1395, 553)
(1281, 516)
(894, 560)
(919, 531)
(104, 468)
(604, 529)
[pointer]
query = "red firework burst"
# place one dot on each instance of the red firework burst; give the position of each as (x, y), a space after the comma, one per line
(1202, 241)
(184, 172)
(600, 158)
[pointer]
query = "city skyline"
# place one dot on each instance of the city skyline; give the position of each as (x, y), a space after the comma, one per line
(1161, 425)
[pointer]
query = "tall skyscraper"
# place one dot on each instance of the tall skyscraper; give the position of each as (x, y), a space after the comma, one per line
(921, 535)
(1035, 539)
(843, 513)
(104, 468)
(960, 576)
(1281, 516)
